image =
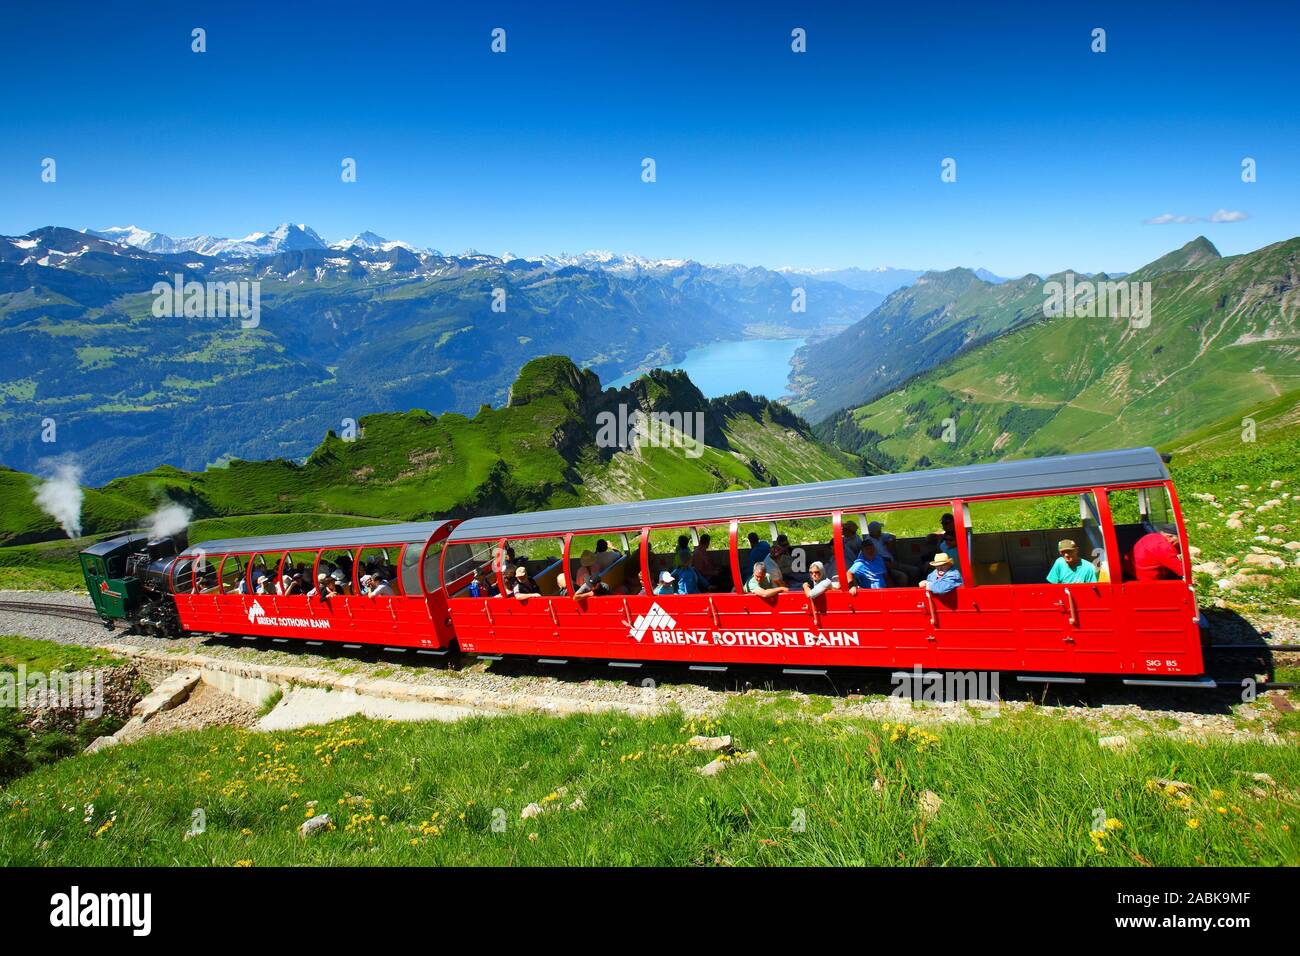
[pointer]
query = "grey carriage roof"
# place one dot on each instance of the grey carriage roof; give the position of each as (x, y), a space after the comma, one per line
(940, 484)
(403, 533)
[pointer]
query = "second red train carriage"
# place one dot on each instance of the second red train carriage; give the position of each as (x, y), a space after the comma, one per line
(1004, 617)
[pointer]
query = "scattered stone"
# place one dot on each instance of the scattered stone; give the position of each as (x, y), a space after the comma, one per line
(1292, 545)
(168, 694)
(877, 785)
(99, 743)
(715, 767)
(1233, 524)
(530, 811)
(1263, 778)
(722, 743)
(1115, 742)
(930, 802)
(577, 804)
(1213, 568)
(315, 825)
(1264, 561)
(1178, 785)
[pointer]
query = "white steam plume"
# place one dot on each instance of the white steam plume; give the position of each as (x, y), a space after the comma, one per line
(167, 520)
(60, 497)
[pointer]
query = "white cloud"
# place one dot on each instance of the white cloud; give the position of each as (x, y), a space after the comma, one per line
(1223, 215)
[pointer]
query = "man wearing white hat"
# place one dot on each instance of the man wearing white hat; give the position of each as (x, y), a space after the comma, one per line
(667, 584)
(944, 578)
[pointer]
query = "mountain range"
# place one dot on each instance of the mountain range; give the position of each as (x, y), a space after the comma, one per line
(883, 279)
(363, 326)
(924, 324)
(1222, 336)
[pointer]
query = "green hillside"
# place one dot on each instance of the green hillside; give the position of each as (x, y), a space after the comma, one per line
(943, 314)
(1222, 337)
(539, 450)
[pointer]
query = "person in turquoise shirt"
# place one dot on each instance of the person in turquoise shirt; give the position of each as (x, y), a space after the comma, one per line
(1069, 569)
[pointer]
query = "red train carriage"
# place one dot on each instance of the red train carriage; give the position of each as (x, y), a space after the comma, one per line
(1004, 616)
(216, 586)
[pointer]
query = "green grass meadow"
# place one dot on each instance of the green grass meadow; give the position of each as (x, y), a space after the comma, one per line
(1025, 789)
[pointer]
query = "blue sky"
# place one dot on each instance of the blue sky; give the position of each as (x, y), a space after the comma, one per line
(825, 159)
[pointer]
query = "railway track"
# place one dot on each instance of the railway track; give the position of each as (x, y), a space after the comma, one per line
(51, 610)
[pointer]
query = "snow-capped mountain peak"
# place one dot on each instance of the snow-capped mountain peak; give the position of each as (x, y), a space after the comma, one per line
(370, 240)
(285, 237)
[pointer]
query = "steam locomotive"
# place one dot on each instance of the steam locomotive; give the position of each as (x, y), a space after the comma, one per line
(129, 579)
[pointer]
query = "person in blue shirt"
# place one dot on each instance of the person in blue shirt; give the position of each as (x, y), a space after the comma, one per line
(666, 585)
(869, 570)
(944, 578)
(688, 582)
(481, 586)
(1068, 569)
(758, 550)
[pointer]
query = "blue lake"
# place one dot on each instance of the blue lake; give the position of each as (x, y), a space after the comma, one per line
(757, 366)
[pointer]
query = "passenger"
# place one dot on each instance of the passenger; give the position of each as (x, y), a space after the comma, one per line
(380, 588)
(1156, 555)
(632, 584)
(667, 584)
(320, 585)
(586, 569)
(683, 547)
(852, 542)
(243, 586)
(782, 556)
(948, 545)
(1068, 569)
(758, 549)
(759, 583)
(594, 587)
(869, 570)
(688, 582)
(365, 582)
(704, 565)
(481, 586)
(293, 585)
(901, 574)
(333, 588)
(944, 577)
(818, 583)
(605, 557)
(525, 587)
